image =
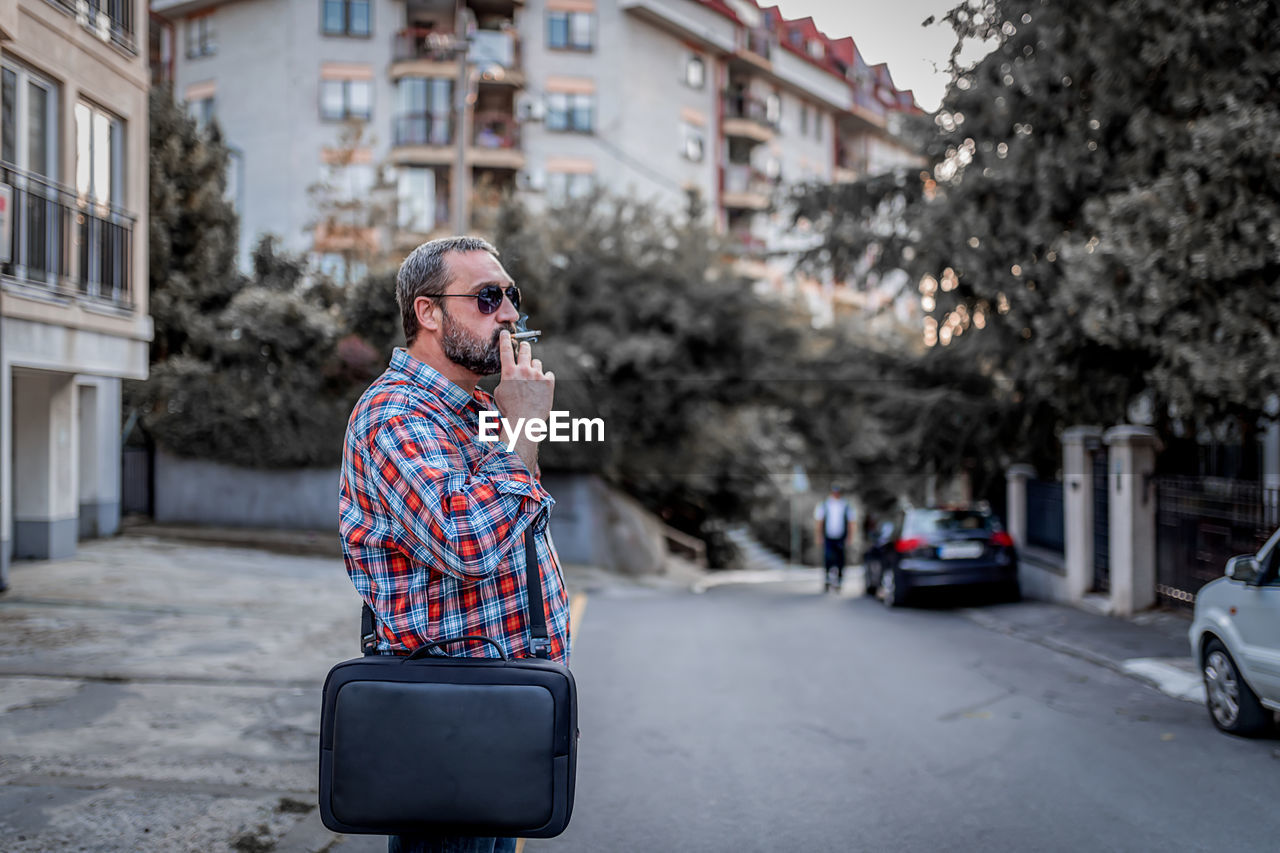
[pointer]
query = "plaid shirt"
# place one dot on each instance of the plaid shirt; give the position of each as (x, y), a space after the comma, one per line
(433, 520)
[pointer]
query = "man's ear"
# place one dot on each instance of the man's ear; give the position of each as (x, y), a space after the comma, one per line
(428, 311)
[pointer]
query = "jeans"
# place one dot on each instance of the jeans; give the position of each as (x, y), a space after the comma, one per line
(834, 559)
(448, 844)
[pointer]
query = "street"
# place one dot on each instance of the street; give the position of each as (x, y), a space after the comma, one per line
(161, 696)
(770, 718)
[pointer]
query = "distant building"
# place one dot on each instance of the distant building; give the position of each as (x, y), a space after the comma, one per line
(647, 98)
(73, 264)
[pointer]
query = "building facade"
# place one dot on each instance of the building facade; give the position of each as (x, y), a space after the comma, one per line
(73, 264)
(341, 113)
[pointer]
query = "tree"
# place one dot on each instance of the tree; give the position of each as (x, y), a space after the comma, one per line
(193, 229)
(1098, 226)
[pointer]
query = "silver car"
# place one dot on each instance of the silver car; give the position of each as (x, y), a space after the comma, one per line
(1235, 638)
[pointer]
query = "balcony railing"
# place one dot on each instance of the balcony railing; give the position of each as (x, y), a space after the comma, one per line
(740, 178)
(51, 225)
(494, 47)
(423, 129)
(110, 19)
(496, 130)
(422, 43)
(742, 105)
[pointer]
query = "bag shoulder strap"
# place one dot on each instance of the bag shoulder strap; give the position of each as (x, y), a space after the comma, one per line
(540, 642)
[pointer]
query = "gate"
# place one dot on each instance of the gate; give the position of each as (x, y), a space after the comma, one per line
(1201, 522)
(136, 493)
(1101, 524)
(1044, 515)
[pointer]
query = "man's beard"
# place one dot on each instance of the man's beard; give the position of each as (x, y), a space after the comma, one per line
(468, 351)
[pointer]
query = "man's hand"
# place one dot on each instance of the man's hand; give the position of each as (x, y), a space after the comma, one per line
(523, 392)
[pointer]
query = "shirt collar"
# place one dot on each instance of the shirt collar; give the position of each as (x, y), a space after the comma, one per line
(435, 382)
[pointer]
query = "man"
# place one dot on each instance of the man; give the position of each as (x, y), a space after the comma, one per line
(433, 519)
(834, 524)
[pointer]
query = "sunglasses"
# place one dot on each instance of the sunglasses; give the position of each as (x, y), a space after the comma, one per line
(489, 297)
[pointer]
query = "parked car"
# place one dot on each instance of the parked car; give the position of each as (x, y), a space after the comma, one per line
(938, 546)
(1235, 638)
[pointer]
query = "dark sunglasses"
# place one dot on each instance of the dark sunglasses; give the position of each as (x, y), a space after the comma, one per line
(489, 297)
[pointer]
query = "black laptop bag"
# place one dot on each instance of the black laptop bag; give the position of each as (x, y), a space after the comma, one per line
(432, 744)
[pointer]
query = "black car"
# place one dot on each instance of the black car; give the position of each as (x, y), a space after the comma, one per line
(940, 547)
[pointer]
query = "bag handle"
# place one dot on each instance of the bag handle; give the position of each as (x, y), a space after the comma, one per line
(425, 651)
(539, 641)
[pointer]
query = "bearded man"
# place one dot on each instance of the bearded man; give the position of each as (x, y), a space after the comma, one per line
(432, 519)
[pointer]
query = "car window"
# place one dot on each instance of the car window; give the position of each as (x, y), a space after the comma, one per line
(926, 521)
(1268, 556)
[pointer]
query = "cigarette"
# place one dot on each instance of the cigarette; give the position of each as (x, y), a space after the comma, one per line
(526, 336)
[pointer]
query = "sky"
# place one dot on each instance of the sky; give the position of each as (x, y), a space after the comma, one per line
(888, 32)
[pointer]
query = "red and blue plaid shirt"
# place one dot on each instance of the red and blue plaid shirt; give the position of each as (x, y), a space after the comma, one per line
(433, 520)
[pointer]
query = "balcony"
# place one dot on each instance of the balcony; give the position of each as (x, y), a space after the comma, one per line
(746, 188)
(755, 47)
(495, 144)
(62, 245)
(747, 117)
(110, 20)
(426, 52)
(423, 138)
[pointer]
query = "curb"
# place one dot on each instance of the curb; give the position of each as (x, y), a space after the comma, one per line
(1153, 672)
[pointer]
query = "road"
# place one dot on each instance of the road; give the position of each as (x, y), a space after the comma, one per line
(772, 718)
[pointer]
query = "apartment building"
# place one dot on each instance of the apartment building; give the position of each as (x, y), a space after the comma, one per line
(647, 98)
(73, 264)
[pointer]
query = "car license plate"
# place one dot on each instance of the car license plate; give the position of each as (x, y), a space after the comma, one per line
(959, 550)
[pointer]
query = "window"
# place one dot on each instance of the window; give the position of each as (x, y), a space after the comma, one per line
(695, 72)
(693, 144)
(204, 111)
(29, 143)
(424, 111)
(346, 18)
(350, 182)
(99, 156)
(566, 112)
(818, 120)
(570, 30)
(346, 99)
(773, 109)
(816, 50)
(416, 199)
(200, 41)
(804, 119)
(562, 186)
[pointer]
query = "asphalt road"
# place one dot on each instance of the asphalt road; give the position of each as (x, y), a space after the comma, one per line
(772, 718)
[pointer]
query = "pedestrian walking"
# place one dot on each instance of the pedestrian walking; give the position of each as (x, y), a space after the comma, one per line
(433, 519)
(834, 525)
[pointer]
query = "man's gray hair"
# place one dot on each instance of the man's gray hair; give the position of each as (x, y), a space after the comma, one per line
(425, 273)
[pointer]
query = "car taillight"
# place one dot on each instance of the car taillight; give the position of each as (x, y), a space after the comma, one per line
(906, 546)
(1002, 539)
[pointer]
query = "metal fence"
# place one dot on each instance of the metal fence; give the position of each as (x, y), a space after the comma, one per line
(1201, 522)
(136, 495)
(1044, 515)
(1101, 524)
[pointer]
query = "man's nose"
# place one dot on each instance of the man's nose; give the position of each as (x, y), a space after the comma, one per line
(507, 312)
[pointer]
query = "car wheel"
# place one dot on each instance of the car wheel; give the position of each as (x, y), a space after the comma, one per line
(894, 594)
(871, 572)
(1013, 592)
(1232, 705)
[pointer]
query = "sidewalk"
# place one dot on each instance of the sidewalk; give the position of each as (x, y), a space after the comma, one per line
(1152, 646)
(159, 696)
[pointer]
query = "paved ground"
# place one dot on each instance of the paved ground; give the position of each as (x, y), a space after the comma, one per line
(160, 695)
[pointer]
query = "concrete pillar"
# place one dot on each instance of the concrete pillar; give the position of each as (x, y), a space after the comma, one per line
(45, 465)
(1132, 461)
(1077, 507)
(99, 499)
(6, 470)
(1016, 478)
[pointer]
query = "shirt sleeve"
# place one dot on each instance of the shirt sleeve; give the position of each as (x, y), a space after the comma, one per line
(461, 522)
